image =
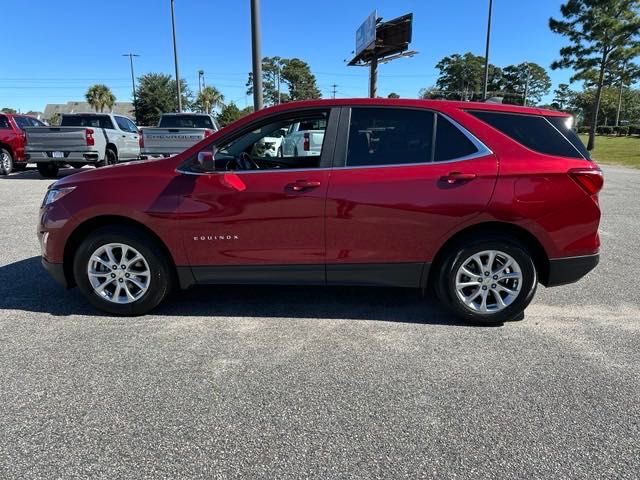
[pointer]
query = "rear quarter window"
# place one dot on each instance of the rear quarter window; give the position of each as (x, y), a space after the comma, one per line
(535, 132)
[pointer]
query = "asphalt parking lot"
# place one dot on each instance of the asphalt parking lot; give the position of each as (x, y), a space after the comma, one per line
(265, 382)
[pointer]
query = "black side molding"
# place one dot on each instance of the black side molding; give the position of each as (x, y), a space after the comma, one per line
(570, 269)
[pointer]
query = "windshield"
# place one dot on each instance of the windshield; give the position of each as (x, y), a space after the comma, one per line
(186, 121)
(98, 121)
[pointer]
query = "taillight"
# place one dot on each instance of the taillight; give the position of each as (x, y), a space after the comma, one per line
(141, 140)
(207, 132)
(306, 142)
(88, 134)
(591, 181)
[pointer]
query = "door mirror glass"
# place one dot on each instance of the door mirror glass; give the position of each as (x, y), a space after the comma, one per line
(206, 161)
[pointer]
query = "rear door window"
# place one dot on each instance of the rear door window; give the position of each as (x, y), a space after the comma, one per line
(389, 136)
(451, 142)
(533, 131)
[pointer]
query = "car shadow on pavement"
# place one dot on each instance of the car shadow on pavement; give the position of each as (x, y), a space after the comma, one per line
(33, 174)
(25, 286)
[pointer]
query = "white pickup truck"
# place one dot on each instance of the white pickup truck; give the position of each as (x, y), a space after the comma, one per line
(82, 138)
(176, 132)
(303, 139)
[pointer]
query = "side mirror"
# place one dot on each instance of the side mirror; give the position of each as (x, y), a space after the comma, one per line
(207, 161)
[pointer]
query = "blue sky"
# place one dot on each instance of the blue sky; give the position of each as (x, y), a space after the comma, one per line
(54, 50)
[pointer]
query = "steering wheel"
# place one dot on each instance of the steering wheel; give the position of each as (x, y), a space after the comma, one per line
(245, 162)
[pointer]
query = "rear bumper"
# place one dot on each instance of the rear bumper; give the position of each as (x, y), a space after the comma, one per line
(87, 156)
(56, 270)
(570, 269)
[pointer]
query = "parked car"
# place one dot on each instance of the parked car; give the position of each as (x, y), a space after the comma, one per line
(176, 132)
(12, 139)
(480, 202)
(304, 139)
(98, 139)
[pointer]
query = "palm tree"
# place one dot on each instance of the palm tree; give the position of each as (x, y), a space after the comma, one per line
(100, 96)
(209, 98)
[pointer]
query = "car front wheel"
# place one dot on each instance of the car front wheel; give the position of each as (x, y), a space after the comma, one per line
(488, 281)
(122, 271)
(6, 162)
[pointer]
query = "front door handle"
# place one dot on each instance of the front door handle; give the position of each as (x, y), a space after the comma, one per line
(301, 185)
(455, 177)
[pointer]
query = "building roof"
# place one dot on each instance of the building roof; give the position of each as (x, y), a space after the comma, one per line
(119, 108)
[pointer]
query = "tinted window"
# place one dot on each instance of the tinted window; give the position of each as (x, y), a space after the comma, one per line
(23, 122)
(97, 121)
(451, 143)
(532, 131)
(389, 136)
(4, 122)
(564, 124)
(186, 121)
(122, 124)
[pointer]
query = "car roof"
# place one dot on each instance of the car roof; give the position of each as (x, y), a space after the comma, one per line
(419, 103)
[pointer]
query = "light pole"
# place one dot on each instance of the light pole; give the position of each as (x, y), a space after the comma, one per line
(486, 54)
(200, 80)
(133, 83)
(256, 55)
(175, 58)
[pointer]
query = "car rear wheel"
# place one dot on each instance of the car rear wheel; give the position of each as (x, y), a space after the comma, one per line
(48, 170)
(488, 281)
(122, 271)
(110, 158)
(6, 162)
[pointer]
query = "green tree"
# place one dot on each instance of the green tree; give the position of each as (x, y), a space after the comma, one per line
(596, 30)
(285, 80)
(562, 96)
(209, 98)
(462, 77)
(54, 120)
(156, 94)
(99, 96)
(230, 113)
(8, 110)
(527, 77)
(609, 102)
(300, 81)
(393, 95)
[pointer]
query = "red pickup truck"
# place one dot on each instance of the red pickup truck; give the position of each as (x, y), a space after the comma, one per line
(12, 140)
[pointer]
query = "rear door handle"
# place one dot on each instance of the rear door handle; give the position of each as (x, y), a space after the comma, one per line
(455, 177)
(301, 185)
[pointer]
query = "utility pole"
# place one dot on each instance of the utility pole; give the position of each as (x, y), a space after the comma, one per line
(133, 83)
(373, 77)
(486, 54)
(624, 67)
(256, 55)
(526, 86)
(175, 58)
(333, 92)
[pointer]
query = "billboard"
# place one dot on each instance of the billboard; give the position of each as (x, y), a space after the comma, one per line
(366, 33)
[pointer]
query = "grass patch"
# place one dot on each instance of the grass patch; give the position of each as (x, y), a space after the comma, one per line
(616, 150)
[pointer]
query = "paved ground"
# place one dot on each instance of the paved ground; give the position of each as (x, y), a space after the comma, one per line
(298, 382)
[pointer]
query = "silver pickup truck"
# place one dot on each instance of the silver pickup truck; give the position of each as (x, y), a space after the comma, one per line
(176, 132)
(82, 138)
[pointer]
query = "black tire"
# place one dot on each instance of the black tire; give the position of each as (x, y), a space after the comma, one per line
(110, 158)
(48, 169)
(458, 255)
(161, 279)
(6, 162)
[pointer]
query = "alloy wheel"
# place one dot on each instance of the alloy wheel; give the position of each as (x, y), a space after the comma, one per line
(488, 282)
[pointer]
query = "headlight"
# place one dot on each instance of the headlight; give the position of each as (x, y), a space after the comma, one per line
(54, 194)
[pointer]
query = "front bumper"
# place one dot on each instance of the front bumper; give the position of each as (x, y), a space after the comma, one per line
(570, 269)
(56, 270)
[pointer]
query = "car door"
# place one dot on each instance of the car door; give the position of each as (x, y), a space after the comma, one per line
(255, 225)
(134, 138)
(408, 177)
(127, 146)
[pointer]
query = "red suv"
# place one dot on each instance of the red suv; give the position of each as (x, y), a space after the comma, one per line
(478, 201)
(12, 140)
